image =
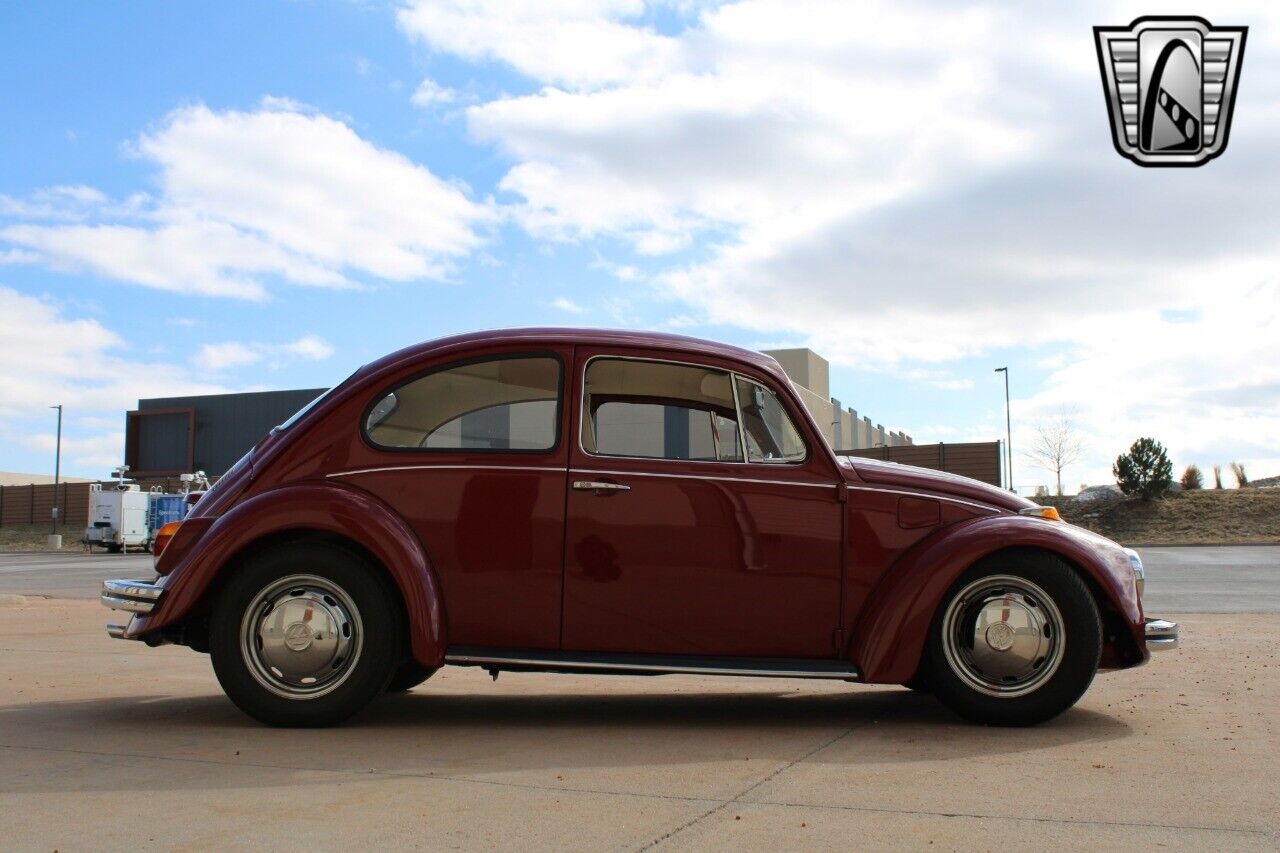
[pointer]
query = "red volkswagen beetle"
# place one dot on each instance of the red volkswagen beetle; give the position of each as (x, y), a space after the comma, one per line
(616, 502)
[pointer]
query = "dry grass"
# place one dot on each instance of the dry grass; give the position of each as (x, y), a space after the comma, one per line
(1201, 517)
(30, 537)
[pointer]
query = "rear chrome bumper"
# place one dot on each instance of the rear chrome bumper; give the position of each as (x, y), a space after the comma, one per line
(1161, 635)
(132, 596)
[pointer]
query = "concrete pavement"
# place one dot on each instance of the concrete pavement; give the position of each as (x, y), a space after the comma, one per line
(1184, 751)
(108, 744)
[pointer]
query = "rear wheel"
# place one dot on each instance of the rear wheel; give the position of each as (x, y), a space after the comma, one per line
(304, 636)
(1016, 640)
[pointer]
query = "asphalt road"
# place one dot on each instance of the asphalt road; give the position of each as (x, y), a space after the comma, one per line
(1191, 579)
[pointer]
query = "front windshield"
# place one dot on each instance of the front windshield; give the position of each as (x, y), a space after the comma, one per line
(297, 416)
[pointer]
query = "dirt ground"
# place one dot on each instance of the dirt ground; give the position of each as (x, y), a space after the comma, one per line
(1200, 517)
(109, 744)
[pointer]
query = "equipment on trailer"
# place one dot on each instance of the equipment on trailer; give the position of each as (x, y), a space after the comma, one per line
(117, 517)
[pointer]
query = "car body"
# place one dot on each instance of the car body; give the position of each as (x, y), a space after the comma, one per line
(609, 501)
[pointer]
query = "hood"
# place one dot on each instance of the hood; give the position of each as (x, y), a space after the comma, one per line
(882, 473)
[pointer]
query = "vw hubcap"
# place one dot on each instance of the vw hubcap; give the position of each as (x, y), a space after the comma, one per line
(301, 637)
(1003, 636)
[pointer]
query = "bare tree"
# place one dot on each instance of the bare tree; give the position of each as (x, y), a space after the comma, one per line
(1055, 445)
(1237, 471)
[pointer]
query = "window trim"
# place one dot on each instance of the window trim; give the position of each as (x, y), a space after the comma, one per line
(481, 359)
(742, 438)
(742, 428)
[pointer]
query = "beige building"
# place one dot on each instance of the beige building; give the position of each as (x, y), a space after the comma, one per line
(810, 373)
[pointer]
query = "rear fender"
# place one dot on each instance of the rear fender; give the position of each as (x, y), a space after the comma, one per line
(331, 508)
(894, 624)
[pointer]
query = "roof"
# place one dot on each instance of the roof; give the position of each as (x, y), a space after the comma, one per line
(569, 335)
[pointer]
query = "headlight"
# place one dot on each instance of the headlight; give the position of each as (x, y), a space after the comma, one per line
(1139, 573)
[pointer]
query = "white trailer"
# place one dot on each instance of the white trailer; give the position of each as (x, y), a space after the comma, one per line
(117, 517)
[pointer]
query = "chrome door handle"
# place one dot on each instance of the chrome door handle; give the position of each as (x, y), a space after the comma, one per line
(598, 486)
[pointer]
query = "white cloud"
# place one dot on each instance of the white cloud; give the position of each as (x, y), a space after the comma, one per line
(581, 42)
(232, 354)
(562, 303)
(901, 185)
(226, 355)
(429, 93)
(283, 192)
(309, 347)
(48, 358)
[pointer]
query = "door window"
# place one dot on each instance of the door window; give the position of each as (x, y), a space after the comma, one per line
(504, 404)
(658, 410)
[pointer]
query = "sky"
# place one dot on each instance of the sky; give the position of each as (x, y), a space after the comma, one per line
(202, 198)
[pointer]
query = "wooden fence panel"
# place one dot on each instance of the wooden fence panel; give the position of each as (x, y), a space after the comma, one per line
(26, 505)
(979, 460)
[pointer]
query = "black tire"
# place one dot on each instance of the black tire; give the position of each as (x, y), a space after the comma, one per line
(919, 683)
(363, 668)
(408, 676)
(1066, 671)
(114, 548)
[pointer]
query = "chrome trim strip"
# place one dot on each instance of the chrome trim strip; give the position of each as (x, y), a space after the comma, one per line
(116, 632)
(499, 660)
(931, 495)
(701, 477)
(556, 468)
(1161, 635)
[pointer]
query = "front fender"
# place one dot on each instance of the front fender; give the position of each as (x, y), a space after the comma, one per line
(892, 629)
(331, 508)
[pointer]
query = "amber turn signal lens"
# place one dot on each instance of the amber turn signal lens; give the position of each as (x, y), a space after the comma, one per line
(1046, 512)
(163, 535)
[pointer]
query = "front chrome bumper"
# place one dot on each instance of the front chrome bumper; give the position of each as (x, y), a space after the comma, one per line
(133, 596)
(1161, 635)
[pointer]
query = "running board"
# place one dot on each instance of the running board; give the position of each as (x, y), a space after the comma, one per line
(622, 664)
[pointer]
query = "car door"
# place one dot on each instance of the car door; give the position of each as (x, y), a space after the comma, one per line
(472, 455)
(685, 533)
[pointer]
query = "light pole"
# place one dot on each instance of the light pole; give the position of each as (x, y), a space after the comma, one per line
(57, 468)
(1008, 427)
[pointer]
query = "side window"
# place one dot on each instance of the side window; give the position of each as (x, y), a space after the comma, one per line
(656, 410)
(501, 404)
(771, 434)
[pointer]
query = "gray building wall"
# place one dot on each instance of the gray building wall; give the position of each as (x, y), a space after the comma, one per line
(224, 427)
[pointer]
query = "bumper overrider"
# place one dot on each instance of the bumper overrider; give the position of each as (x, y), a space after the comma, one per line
(131, 596)
(1161, 635)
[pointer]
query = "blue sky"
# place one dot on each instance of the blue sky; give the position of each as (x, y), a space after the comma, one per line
(266, 195)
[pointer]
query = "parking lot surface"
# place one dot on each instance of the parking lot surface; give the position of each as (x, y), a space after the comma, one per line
(111, 744)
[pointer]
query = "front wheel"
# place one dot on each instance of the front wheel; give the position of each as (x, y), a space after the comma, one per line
(304, 636)
(1016, 640)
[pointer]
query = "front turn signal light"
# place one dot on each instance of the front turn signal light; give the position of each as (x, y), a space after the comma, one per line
(1046, 512)
(163, 536)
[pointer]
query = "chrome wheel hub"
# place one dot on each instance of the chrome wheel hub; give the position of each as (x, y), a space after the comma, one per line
(301, 636)
(1003, 636)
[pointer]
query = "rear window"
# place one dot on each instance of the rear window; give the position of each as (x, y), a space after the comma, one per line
(501, 404)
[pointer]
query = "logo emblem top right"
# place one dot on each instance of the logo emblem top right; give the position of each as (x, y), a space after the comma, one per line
(1170, 85)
